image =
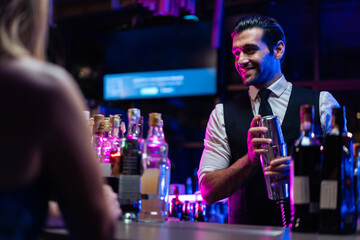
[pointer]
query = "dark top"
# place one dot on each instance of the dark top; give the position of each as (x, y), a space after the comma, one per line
(22, 212)
(250, 204)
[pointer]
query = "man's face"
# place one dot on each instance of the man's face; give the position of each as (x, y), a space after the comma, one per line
(253, 60)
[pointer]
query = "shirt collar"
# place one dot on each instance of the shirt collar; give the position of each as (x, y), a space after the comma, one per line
(277, 88)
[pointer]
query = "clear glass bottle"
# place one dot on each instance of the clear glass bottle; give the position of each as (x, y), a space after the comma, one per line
(305, 167)
(98, 134)
(130, 168)
(337, 196)
(105, 147)
(155, 181)
(141, 127)
(106, 142)
(116, 146)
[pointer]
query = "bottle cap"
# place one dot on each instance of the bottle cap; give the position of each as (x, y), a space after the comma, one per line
(306, 117)
(338, 115)
(133, 113)
(106, 124)
(116, 121)
(101, 126)
(111, 120)
(155, 119)
(307, 112)
(118, 115)
(98, 117)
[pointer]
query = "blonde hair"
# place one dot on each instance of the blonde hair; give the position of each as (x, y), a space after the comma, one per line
(23, 28)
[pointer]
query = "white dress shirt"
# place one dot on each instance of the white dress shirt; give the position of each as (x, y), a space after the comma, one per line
(216, 154)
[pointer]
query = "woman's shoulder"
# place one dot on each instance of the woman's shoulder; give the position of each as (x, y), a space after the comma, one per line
(32, 71)
(36, 77)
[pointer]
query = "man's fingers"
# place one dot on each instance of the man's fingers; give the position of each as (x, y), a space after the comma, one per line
(260, 151)
(258, 130)
(254, 122)
(281, 160)
(259, 141)
(275, 173)
(278, 168)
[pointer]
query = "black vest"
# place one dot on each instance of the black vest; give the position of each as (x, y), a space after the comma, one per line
(250, 204)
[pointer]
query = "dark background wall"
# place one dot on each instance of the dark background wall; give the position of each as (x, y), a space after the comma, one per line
(323, 53)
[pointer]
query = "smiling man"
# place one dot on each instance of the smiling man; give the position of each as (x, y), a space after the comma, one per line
(230, 164)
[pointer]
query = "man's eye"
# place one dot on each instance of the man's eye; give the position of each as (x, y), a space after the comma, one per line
(250, 50)
(236, 53)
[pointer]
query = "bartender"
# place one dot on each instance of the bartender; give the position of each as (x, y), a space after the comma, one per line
(230, 164)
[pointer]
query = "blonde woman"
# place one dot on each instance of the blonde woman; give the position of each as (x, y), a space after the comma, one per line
(44, 139)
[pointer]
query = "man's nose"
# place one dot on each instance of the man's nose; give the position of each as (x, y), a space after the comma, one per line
(243, 59)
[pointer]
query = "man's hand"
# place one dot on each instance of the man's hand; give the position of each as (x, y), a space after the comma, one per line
(279, 168)
(254, 141)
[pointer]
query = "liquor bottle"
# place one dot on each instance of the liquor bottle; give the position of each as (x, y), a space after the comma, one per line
(187, 213)
(141, 126)
(176, 204)
(337, 196)
(98, 134)
(106, 142)
(200, 211)
(111, 127)
(305, 167)
(155, 180)
(130, 168)
(105, 148)
(116, 146)
(114, 158)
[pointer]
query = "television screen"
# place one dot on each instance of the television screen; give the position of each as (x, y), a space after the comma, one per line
(154, 84)
(167, 61)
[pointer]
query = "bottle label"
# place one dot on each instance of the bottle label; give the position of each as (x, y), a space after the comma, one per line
(301, 190)
(150, 181)
(129, 188)
(328, 194)
(130, 164)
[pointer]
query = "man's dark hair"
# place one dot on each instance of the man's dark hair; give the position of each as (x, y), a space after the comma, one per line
(272, 31)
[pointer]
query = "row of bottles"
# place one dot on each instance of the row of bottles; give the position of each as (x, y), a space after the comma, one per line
(140, 166)
(322, 191)
(187, 211)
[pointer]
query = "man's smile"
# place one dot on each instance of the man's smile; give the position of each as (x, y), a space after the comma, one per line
(245, 70)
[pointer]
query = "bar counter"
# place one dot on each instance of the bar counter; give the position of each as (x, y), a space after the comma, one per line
(178, 230)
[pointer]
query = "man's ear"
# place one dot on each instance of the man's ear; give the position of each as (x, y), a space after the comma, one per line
(279, 50)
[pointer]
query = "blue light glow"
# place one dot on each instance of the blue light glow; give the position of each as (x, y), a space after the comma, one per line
(158, 84)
